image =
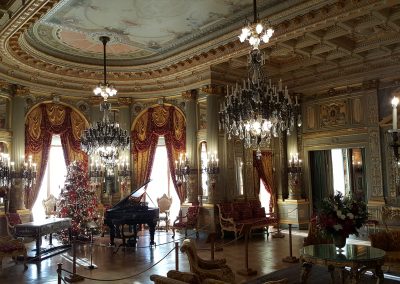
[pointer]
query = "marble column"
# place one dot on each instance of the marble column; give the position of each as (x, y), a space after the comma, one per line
(191, 144)
(212, 142)
(17, 195)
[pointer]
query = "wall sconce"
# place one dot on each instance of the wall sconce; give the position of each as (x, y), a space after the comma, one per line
(294, 165)
(294, 176)
(395, 131)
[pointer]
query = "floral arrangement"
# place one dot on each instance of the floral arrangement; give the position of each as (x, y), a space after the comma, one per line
(341, 215)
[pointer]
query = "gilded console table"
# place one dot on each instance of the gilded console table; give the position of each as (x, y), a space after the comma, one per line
(358, 258)
(37, 229)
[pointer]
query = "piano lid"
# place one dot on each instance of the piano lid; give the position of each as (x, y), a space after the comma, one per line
(135, 194)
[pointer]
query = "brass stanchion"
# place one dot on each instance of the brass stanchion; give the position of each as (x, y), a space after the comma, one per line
(290, 258)
(176, 256)
(279, 233)
(74, 277)
(247, 271)
(59, 267)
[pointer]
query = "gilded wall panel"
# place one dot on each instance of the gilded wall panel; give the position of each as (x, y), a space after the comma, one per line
(333, 114)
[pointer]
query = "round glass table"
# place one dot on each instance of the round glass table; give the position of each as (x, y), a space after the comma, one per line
(358, 258)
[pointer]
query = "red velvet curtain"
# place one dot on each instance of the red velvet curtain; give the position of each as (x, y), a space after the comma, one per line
(263, 166)
(156, 121)
(40, 125)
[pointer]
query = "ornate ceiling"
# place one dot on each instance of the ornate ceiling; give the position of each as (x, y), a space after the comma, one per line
(164, 47)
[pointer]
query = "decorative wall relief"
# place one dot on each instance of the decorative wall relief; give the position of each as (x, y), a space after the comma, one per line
(333, 114)
(357, 111)
(310, 115)
(375, 167)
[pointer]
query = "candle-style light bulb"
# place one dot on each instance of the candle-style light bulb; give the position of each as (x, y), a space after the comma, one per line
(395, 102)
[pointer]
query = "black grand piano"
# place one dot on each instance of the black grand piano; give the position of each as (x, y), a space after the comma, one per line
(131, 211)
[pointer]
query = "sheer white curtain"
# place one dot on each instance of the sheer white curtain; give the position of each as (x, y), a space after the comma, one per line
(161, 181)
(54, 177)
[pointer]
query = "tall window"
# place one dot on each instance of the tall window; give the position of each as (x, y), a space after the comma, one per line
(53, 179)
(265, 197)
(161, 181)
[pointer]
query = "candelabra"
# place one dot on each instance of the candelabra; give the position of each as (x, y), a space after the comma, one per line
(26, 171)
(5, 173)
(182, 171)
(294, 176)
(212, 164)
(123, 169)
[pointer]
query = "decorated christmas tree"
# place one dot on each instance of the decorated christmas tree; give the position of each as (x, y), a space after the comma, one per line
(78, 201)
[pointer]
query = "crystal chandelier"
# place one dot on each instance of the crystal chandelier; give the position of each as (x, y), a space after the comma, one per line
(257, 111)
(104, 138)
(257, 31)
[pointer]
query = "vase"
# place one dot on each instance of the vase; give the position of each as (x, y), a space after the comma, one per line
(339, 241)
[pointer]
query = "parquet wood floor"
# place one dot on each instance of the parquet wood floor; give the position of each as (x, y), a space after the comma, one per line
(265, 256)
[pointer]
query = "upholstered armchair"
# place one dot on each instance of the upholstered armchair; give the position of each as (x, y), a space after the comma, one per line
(207, 269)
(12, 248)
(12, 220)
(188, 221)
(389, 242)
(178, 277)
(49, 205)
(164, 203)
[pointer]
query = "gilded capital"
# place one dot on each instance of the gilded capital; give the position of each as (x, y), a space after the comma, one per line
(190, 95)
(124, 101)
(21, 91)
(214, 90)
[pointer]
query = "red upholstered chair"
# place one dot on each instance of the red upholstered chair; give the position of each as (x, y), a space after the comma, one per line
(188, 221)
(12, 220)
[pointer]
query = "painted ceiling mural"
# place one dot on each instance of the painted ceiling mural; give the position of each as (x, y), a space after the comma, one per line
(139, 29)
(166, 47)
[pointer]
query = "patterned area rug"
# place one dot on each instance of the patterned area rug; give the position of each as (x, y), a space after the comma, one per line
(319, 274)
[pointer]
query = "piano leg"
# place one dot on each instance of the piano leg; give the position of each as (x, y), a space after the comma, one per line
(152, 229)
(112, 235)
